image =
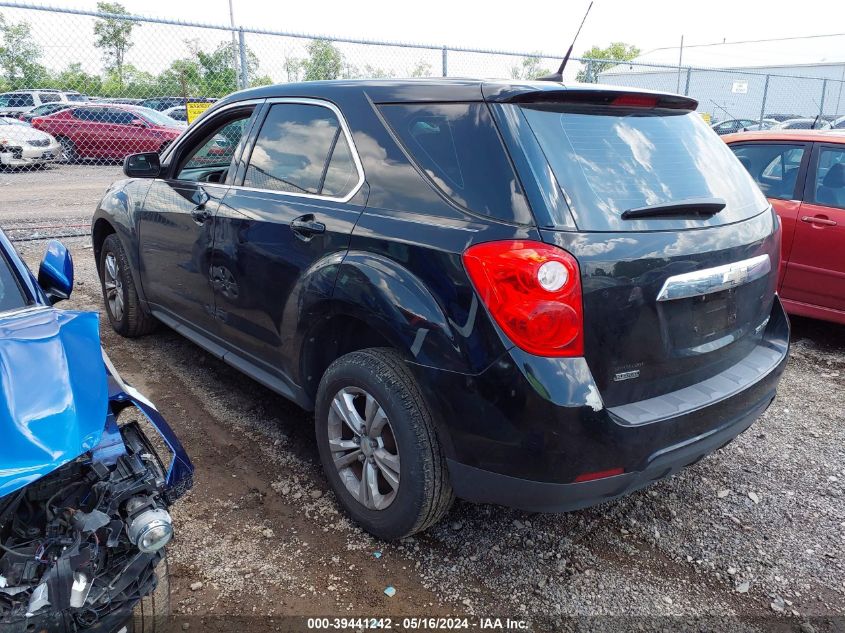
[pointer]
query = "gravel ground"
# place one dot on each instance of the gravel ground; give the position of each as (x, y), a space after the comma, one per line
(750, 538)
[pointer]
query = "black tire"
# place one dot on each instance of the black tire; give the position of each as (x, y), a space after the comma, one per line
(129, 319)
(424, 494)
(151, 613)
(70, 154)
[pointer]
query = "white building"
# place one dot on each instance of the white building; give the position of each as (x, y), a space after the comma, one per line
(803, 76)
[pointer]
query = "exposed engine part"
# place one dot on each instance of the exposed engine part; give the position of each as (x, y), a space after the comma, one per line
(80, 545)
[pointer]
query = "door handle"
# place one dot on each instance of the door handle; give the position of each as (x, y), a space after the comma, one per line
(200, 214)
(818, 220)
(305, 226)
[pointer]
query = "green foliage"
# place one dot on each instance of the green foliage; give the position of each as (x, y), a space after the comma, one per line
(422, 69)
(19, 56)
(529, 69)
(114, 37)
(73, 77)
(324, 61)
(614, 53)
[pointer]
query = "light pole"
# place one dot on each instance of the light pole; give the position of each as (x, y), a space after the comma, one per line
(234, 46)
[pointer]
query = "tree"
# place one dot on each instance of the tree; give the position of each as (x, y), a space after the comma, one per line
(422, 69)
(114, 36)
(529, 69)
(614, 53)
(208, 74)
(293, 68)
(19, 55)
(324, 61)
(73, 77)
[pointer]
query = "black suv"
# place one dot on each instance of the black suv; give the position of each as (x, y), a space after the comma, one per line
(521, 293)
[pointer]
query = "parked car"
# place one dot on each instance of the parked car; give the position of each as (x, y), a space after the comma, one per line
(399, 257)
(44, 109)
(164, 103)
(803, 176)
(178, 113)
(21, 101)
(766, 124)
(803, 124)
(21, 145)
(84, 490)
(109, 131)
(838, 124)
(784, 117)
(123, 100)
(732, 125)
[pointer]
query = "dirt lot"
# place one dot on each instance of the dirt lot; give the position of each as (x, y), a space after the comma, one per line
(749, 538)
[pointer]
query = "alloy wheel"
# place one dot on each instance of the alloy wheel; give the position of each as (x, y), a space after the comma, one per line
(364, 448)
(114, 287)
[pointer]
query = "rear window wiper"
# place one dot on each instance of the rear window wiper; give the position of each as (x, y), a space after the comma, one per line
(697, 207)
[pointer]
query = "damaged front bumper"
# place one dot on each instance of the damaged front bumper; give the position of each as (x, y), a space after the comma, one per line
(79, 547)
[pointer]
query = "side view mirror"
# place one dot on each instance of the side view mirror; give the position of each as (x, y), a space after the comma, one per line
(138, 123)
(146, 165)
(55, 274)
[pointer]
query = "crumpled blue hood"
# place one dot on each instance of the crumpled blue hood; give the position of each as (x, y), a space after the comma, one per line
(53, 392)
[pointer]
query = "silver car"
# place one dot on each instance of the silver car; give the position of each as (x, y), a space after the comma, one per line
(21, 145)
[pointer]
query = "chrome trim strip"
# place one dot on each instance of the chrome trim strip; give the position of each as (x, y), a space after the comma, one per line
(702, 282)
(346, 133)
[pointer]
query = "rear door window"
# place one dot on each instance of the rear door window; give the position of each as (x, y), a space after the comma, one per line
(301, 149)
(829, 187)
(608, 160)
(49, 97)
(775, 166)
(458, 147)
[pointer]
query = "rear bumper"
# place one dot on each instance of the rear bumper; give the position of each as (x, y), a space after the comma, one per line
(521, 433)
(482, 486)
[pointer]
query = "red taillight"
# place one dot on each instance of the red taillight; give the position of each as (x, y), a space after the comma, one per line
(533, 291)
(36, 121)
(599, 475)
(635, 101)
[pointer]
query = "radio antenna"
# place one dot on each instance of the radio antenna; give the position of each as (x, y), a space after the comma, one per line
(558, 76)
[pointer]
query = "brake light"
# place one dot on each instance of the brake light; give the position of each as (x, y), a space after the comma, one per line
(533, 291)
(36, 121)
(635, 101)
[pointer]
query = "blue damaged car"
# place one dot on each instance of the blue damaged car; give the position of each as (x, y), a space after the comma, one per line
(88, 467)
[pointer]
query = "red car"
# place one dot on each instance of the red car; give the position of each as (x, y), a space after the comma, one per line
(109, 131)
(802, 173)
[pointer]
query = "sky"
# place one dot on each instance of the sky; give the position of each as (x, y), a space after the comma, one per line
(528, 25)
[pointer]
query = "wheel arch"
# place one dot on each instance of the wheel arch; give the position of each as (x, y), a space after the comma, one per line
(116, 214)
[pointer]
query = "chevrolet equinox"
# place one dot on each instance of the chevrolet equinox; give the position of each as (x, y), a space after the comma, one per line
(529, 294)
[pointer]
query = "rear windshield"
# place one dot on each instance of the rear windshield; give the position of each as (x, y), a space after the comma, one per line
(608, 160)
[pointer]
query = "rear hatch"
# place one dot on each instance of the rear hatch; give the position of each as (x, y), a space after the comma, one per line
(677, 246)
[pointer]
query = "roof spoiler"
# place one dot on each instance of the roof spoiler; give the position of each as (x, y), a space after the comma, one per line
(602, 97)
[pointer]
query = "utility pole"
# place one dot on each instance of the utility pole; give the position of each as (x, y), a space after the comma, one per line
(234, 45)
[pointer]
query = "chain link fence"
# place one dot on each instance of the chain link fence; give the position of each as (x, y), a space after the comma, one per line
(92, 87)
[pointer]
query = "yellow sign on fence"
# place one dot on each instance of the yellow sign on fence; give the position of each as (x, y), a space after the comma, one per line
(195, 108)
